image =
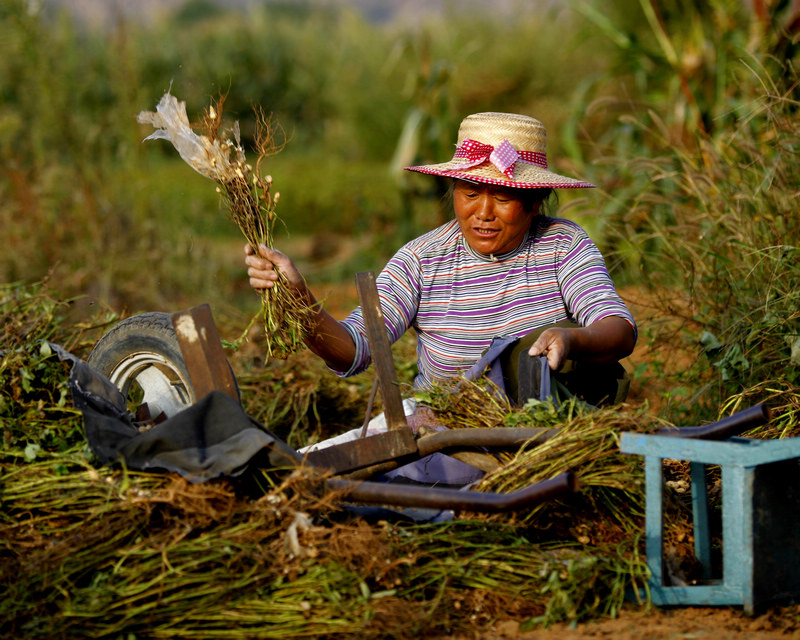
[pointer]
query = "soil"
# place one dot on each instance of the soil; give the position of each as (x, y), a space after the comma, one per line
(673, 624)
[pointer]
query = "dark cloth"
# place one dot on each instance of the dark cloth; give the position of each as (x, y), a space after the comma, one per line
(507, 364)
(212, 438)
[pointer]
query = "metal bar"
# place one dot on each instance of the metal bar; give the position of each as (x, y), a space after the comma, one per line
(731, 426)
(435, 498)
(370, 403)
(381, 351)
(482, 437)
(203, 353)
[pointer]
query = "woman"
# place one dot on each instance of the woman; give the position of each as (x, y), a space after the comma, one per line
(499, 268)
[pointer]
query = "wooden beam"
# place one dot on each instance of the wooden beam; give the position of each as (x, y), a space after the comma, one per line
(203, 354)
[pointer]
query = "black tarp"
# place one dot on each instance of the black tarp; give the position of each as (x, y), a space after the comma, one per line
(212, 438)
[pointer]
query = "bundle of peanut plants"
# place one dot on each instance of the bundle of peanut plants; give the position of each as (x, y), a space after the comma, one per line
(90, 552)
(580, 438)
(247, 193)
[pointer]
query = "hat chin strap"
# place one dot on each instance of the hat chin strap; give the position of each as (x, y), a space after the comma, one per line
(504, 157)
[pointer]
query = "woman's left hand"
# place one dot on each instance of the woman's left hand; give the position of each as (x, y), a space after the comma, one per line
(555, 344)
(607, 340)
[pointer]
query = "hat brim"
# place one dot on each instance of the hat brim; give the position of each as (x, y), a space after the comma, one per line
(526, 175)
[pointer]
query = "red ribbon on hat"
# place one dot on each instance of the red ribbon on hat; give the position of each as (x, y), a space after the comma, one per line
(504, 156)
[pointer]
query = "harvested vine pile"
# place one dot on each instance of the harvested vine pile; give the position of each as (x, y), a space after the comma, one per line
(90, 551)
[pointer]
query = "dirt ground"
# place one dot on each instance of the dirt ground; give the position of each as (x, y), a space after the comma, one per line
(671, 623)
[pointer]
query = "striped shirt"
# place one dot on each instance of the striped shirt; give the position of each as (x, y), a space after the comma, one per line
(457, 300)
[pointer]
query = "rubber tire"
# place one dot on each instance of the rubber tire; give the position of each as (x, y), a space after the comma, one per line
(142, 341)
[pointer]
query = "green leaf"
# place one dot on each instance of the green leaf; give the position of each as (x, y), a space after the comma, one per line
(710, 342)
(27, 377)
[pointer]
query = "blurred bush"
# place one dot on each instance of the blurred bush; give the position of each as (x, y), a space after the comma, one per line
(85, 199)
(700, 173)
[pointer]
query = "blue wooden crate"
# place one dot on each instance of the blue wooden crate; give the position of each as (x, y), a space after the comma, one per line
(760, 518)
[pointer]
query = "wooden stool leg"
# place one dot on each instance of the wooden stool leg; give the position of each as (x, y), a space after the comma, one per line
(702, 535)
(654, 518)
(203, 353)
(737, 532)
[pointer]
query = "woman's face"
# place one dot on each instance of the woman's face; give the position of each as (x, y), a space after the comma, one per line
(492, 219)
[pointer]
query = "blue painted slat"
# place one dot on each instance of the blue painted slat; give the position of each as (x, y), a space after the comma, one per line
(700, 595)
(654, 518)
(702, 534)
(737, 531)
(743, 452)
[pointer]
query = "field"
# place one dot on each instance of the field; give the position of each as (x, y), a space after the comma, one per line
(684, 117)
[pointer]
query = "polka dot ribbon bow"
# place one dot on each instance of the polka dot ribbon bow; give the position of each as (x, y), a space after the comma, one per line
(504, 156)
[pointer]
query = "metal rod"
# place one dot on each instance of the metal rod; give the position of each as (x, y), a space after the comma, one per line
(437, 498)
(482, 437)
(731, 426)
(370, 403)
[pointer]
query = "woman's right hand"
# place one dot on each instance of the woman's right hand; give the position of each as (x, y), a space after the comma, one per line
(261, 268)
(327, 338)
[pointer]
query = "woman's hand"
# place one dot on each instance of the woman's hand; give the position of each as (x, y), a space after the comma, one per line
(261, 268)
(555, 344)
(607, 340)
(327, 338)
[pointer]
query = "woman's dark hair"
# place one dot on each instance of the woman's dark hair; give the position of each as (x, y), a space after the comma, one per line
(547, 197)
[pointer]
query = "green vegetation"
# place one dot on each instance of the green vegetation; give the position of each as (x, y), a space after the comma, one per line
(702, 214)
(685, 116)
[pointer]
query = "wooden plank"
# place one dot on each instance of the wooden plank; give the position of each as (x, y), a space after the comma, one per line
(698, 595)
(702, 532)
(396, 445)
(203, 353)
(737, 532)
(381, 351)
(741, 452)
(654, 518)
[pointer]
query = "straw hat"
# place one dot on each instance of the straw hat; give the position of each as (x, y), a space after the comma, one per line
(505, 149)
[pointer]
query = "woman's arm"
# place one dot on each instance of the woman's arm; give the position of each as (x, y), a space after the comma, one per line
(328, 338)
(608, 340)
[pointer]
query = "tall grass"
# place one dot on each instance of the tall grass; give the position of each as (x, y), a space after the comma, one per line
(722, 212)
(699, 171)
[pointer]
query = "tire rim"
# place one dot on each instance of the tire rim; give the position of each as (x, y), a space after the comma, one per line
(164, 388)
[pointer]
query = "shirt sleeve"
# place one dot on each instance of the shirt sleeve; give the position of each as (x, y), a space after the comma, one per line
(586, 286)
(399, 286)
